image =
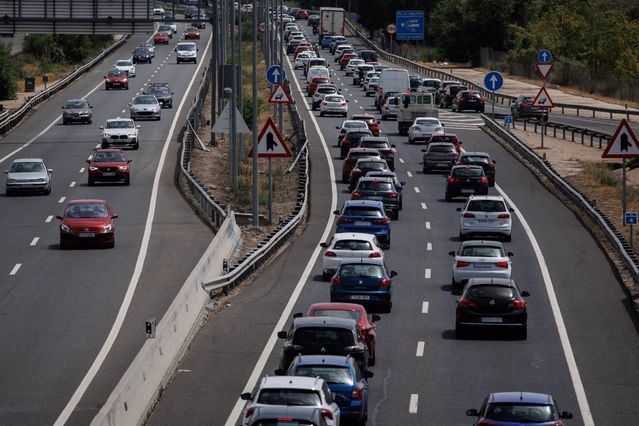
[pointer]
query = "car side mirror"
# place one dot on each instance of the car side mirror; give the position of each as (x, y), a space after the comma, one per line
(393, 274)
(129, 104)
(88, 161)
(393, 146)
(451, 253)
(129, 161)
(337, 127)
(101, 127)
(510, 209)
(49, 170)
(375, 318)
(172, 93)
(105, 76)
(114, 216)
(58, 217)
(298, 315)
(511, 254)
(280, 372)
(524, 293)
(458, 209)
(472, 412)
(6, 172)
(494, 161)
(323, 245)
(336, 212)
(282, 334)
(246, 396)
(402, 183)
(566, 415)
(62, 107)
(368, 374)
(138, 126)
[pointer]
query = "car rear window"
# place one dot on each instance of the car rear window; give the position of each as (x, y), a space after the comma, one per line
(467, 172)
(428, 122)
(24, 167)
(441, 148)
(482, 251)
(489, 206)
(444, 138)
(490, 291)
(374, 144)
(475, 159)
(352, 245)
(337, 313)
(361, 270)
(327, 90)
(363, 211)
(374, 186)
(324, 336)
(296, 397)
(520, 413)
(333, 375)
(371, 165)
(334, 99)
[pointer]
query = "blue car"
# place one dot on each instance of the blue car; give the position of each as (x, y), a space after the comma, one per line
(344, 378)
(364, 281)
(365, 216)
(514, 408)
(326, 41)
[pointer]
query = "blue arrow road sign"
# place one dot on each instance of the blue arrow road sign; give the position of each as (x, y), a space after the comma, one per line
(275, 74)
(631, 218)
(493, 81)
(544, 56)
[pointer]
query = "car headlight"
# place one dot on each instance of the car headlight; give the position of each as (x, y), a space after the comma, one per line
(107, 228)
(123, 168)
(12, 180)
(93, 168)
(132, 135)
(64, 228)
(108, 80)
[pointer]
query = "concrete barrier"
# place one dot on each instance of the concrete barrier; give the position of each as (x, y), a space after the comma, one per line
(138, 389)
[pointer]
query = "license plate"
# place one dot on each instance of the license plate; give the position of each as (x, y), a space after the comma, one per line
(483, 265)
(494, 320)
(362, 223)
(86, 235)
(375, 197)
(108, 174)
(485, 220)
(361, 297)
(467, 191)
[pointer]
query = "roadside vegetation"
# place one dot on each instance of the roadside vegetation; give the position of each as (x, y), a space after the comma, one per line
(8, 74)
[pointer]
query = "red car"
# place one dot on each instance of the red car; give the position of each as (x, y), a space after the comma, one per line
(302, 14)
(355, 154)
(448, 137)
(87, 221)
(161, 38)
(109, 165)
(314, 82)
(371, 122)
(116, 78)
(191, 33)
(351, 311)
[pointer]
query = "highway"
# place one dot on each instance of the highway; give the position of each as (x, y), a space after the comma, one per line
(72, 321)
(582, 344)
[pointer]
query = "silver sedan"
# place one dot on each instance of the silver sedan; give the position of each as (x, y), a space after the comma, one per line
(28, 175)
(423, 128)
(145, 107)
(479, 259)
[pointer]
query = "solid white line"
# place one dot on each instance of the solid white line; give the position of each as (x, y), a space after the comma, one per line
(139, 264)
(401, 160)
(48, 219)
(82, 170)
(427, 225)
(286, 313)
(409, 174)
(427, 273)
(15, 269)
(72, 184)
(429, 246)
(577, 384)
(412, 406)
(34, 241)
(61, 200)
(424, 307)
(420, 349)
(416, 190)
(424, 206)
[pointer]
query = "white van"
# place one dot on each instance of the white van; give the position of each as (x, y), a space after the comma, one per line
(186, 52)
(392, 80)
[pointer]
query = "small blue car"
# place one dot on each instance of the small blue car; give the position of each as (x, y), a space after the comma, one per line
(364, 281)
(326, 41)
(365, 216)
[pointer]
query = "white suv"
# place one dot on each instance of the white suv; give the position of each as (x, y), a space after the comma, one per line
(293, 390)
(120, 132)
(486, 215)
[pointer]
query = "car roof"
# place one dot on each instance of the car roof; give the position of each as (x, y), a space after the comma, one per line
(381, 173)
(344, 361)
(366, 261)
(494, 281)
(364, 203)
(351, 235)
(328, 322)
(28, 160)
(373, 159)
(291, 382)
(358, 121)
(486, 197)
(360, 129)
(119, 119)
(108, 150)
(375, 139)
(87, 201)
(338, 306)
(466, 166)
(441, 144)
(475, 154)
(519, 397)
(268, 412)
(486, 243)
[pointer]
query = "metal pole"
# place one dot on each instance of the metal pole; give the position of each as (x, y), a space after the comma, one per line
(213, 70)
(632, 245)
(623, 188)
(493, 109)
(240, 92)
(233, 152)
(270, 190)
(280, 57)
(542, 131)
(256, 196)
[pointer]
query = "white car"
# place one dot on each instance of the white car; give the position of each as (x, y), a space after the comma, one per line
(120, 132)
(390, 108)
(341, 48)
(145, 107)
(352, 64)
(317, 71)
(158, 11)
(346, 245)
(479, 259)
(295, 391)
(302, 57)
(348, 125)
(321, 92)
(297, 39)
(368, 77)
(125, 65)
(423, 128)
(486, 215)
(371, 86)
(334, 104)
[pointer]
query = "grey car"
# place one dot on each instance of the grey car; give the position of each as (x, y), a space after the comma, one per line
(77, 110)
(28, 175)
(145, 107)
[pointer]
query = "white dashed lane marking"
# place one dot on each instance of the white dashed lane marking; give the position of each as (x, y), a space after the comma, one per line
(48, 219)
(82, 170)
(61, 200)
(427, 225)
(424, 307)
(416, 190)
(34, 241)
(15, 269)
(412, 406)
(424, 206)
(420, 349)
(409, 174)
(429, 246)
(401, 160)
(427, 273)
(72, 184)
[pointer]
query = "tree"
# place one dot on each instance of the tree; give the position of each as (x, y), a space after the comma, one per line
(8, 74)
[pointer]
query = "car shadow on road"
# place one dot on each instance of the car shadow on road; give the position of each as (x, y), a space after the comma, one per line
(487, 334)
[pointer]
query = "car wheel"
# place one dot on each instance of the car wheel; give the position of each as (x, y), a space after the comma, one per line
(388, 307)
(90, 121)
(460, 332)
(507, 238)
(136, 146)
(65, 122)
(344, 179)
(410, 141)
(345, 115)
(462, 237)
(64, 245)
(127, 181)
(321, 114)
(326, 276)
(111, 244)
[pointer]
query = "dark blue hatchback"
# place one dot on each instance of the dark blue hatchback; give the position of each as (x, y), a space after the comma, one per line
(344, 378)
(364, 281)
(365, 216)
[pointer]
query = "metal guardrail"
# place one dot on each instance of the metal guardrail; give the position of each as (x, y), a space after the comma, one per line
(16, 117)
(577, 197)
(499, 98)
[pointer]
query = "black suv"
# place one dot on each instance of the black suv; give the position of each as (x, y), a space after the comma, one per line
(162, 92)
(323, 336)
(468, 99)
(466, 180)
(379, 189)
(480, 159)
(142, 55)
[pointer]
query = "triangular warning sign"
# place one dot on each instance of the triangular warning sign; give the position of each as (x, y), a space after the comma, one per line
(544, 69)
(223, 122)
(279, 95)
(542, 100)
(270, 142)
(623, 143)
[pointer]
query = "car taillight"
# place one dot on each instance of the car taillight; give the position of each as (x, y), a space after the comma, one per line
(336, 281)
(330, 254)
(344, 220)
(487, 423)
(484, 180)
(504, 216)
(324, 103)
(462, 264)
(385, 106)
(345, 141)
(343, 104)
(375, 254)
(356, 194)
(466, 303)
(517, 304)
(285, 419)
(326, 413)
(452, 180)
(470, 215)
(381, 221)
(502, 264)
(385, 282)
(391, 195)
(357, 394)
(250, 411)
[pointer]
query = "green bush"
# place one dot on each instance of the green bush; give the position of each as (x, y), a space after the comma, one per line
(8, 74)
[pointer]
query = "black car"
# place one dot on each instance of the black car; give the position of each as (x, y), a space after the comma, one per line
(351, 140)
(290, 48)
(142, 55)
(523, 107)
(368, 55)
(466, 180)
(399, 185)
(449, 93)
(468, 99)
(162, 92)
(381, 144)
(489, 303)
(201, 20)
(442, 86)
(379, 189)
(415, 81)
(480, 159)
(323, 336)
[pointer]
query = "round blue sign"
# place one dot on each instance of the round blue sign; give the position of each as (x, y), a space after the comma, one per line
(275, 74)
(544, 56)
(493, 81)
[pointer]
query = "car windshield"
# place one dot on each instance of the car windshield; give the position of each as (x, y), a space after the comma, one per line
(76, 105)
(327, 90)
(165, 28)
(108, 157)
(324, 336)
(428, 122)
(363, 211)
(441, 148)
(189, 47)
(124, 63)
(467, 172)
(352, 245)
(86, 210)
(295, 397)
(122, 124)
(145, 100)
(333, 375)
(141, 51)
(158, 91)
(520, 413)
(116, 73)
(26, 167)
(374, 144)
(374, 186)
(477, 159)
(482, 251)
(490, 292)
(361, 270)
(489, 206)
(337, 313)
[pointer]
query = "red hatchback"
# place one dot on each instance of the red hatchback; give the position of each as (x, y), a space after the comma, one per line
(87, 221)
(161, 38)
(109, 165)
(353, 311)
(447, 137)
(116, 78)
(371, 122)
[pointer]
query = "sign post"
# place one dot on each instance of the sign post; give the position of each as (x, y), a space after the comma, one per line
(542, 100)
(391, 29)
(493, 81)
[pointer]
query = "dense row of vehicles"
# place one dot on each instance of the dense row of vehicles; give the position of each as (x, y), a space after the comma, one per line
(333, 345)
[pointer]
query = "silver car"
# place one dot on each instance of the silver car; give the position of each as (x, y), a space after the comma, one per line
(391, 108)
(480, 259)
(423, 128)
(321, 92)
(28, 175)
(77, 110)
(145, 107)
(486, 215)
